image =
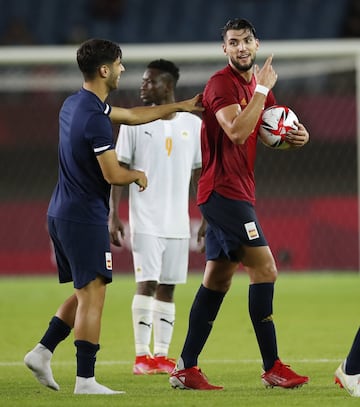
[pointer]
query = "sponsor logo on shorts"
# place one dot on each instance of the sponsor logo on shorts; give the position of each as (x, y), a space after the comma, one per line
(108, 260)
(251, 230)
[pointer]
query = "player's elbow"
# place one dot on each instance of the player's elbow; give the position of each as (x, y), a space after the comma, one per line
(110, 177)
(238, 138)
(120, 178)
(239, 141)
(115, 180)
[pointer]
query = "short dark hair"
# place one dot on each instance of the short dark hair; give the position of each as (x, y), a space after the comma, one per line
(95, 52)
(167, 67)
(238, 24)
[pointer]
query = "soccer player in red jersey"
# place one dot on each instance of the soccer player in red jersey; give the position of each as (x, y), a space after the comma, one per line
(234, 99)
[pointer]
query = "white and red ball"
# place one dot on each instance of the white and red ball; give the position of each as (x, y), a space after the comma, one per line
(276, 121)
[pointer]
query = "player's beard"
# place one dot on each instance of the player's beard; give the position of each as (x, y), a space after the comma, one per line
(243, 68)
(113, 81)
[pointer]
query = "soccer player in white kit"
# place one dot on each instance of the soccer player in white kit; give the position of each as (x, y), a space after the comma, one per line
(169, 152)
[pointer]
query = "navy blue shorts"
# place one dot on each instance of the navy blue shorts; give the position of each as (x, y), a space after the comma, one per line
(232, 224)
(82, 251)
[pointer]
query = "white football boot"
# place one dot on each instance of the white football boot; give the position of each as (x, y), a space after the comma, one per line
(38, 361)
(88, 385)
(351, 383)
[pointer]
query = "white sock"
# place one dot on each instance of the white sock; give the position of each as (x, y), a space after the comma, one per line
(142, 315)
(164, 320)
(180, 364)
(88, 385)
(38, 361)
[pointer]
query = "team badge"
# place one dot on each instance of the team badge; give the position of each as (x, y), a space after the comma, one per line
(251, 230)
(108, 260)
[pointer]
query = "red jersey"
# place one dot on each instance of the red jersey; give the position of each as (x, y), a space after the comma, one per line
(227, 168)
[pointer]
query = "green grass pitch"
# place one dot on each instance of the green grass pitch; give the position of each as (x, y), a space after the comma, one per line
(316, 316)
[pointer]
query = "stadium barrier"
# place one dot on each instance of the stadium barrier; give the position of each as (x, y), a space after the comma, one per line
(303, 234)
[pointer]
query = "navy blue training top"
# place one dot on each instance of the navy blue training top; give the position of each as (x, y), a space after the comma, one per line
(81, 193)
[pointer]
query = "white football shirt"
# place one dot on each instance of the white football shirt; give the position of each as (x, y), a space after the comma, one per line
(168, 151)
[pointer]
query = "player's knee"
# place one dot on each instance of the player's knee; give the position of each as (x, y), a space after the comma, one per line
(267, 273)
(221, 284)
(147, 288)
(165, 292)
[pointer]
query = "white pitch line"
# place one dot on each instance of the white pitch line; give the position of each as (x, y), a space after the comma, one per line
(214, 361)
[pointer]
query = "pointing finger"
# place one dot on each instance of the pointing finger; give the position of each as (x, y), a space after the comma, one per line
(269, 60)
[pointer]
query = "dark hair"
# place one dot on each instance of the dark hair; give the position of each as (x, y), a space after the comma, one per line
(167, 67)
(95, 52)
(238, 24)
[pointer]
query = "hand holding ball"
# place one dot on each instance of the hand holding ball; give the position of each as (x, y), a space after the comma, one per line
(276, 121)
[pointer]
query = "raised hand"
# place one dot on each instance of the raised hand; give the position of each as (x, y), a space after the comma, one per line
(266, 76)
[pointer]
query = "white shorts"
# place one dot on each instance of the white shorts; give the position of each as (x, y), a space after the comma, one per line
(160, 259)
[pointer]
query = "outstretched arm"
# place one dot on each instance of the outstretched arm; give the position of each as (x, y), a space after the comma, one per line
(145, 114)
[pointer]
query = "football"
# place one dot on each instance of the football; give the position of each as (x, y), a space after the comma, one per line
(276, 121)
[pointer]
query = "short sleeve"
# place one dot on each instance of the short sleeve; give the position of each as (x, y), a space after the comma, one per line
(221, 92)
(99, 133)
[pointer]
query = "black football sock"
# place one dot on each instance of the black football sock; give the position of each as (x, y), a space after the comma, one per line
(353, 360)
(202, 316)
(56, 333)
(86, 358)
(260, 310)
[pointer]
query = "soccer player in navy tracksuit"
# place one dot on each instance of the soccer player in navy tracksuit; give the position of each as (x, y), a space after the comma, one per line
(79, 207)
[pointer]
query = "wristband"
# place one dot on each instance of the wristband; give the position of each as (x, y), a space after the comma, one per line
(262, 89)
